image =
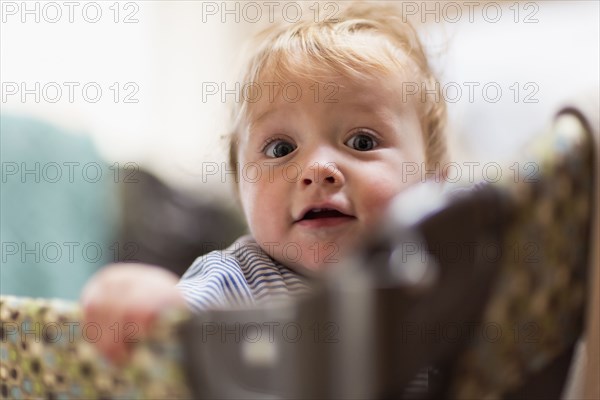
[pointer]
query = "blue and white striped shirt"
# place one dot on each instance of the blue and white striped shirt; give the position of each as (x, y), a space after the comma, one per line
(242, 275)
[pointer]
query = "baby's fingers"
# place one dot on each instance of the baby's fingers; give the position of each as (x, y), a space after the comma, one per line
(99, 329)
(122, 302)
(117, 330)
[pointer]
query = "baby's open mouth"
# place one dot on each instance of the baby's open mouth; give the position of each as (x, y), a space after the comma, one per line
(323, 213)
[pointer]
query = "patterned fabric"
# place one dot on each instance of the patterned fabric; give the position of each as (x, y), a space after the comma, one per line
(241, 275)
(46, 352)
(536, 306)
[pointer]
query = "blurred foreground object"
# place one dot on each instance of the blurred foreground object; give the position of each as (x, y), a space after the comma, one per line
(47, 352)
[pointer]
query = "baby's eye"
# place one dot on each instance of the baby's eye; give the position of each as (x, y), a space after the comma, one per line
(279, 148)
(362, 142)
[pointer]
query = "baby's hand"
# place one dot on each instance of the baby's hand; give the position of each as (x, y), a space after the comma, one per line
(124, 300)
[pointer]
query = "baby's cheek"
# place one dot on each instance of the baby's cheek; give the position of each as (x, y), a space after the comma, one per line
(262, 208)
(251, 204)
(379, 195)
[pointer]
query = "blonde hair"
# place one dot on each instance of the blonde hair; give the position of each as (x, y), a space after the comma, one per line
(344, 45)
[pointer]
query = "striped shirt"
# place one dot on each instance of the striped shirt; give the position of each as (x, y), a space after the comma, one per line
(242, 275)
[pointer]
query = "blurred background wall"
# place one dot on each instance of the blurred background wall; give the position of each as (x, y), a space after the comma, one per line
(160, 54)
(128, 80)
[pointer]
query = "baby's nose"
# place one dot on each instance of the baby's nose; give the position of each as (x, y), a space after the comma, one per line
(322, 173)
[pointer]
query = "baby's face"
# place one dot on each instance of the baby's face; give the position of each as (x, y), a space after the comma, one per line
(317, 171)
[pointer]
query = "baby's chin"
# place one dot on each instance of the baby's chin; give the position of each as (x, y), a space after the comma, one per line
(316, 257)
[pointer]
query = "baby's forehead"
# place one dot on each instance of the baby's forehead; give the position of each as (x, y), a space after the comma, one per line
(326, 88)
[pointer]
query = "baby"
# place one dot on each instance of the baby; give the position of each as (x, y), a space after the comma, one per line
(328, 118)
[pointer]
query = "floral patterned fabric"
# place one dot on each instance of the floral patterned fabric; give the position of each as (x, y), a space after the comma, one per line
(46, 352)
(537, 302)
